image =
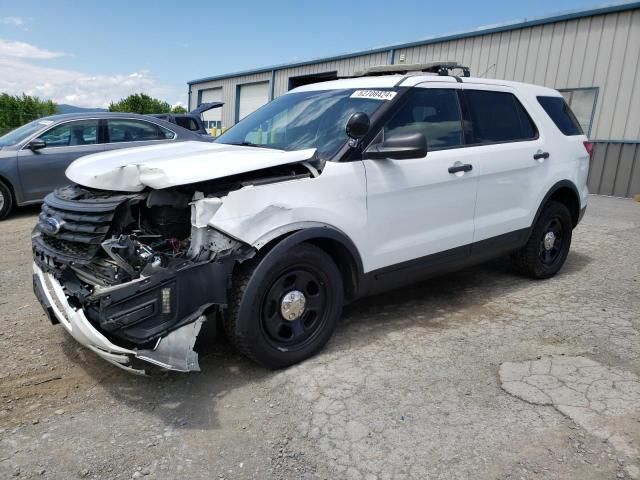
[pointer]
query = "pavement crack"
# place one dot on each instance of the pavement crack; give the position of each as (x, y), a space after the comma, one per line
(565, 390)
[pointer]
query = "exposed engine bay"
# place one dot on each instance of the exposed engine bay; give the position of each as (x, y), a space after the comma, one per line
(142, 265)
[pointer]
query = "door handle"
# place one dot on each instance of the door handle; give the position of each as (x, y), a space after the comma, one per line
(460, 168)
(541, 155)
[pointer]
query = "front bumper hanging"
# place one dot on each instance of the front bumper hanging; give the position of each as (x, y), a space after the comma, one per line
(172, 352)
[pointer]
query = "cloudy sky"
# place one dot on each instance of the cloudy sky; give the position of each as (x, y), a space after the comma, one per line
(93, 52)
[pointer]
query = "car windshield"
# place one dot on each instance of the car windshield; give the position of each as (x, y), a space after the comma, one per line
(20, 133)
(296, 121)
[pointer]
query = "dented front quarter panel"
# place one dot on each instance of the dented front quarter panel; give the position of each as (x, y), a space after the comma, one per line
(336, 198)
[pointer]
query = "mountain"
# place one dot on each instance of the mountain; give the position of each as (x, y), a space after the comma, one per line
(64, 108)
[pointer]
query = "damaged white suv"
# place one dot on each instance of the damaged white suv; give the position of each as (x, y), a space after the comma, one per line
(331, 192)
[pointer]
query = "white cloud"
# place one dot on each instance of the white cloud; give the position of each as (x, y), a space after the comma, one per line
(17, 49)
(15, 21)
(21, 75)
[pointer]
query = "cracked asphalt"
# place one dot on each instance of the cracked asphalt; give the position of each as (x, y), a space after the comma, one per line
(480, 374)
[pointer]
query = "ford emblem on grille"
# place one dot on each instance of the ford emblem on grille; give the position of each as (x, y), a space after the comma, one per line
(52, 225)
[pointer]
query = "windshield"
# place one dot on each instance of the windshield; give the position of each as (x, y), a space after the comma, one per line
(296, 121)
(20, 133)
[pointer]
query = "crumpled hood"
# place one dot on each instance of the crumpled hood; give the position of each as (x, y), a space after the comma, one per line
(181, 163)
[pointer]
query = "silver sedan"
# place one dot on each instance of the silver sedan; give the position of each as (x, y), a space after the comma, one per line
(34, 157)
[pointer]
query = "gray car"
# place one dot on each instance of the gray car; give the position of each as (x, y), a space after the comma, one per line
(34, 157)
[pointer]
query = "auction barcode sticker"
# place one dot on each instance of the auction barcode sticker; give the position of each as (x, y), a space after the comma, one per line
(374, 94)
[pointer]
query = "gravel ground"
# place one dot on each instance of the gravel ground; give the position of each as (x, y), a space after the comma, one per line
(479, 374)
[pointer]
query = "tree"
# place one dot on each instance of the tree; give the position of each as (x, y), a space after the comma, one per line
(17, 110)
(179, 109)
(140, 103)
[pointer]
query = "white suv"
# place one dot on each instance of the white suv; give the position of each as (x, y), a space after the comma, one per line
(329, 193)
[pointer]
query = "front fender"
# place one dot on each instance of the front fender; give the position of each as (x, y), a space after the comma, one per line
(333, 241)
(309, 232)
(334, 201)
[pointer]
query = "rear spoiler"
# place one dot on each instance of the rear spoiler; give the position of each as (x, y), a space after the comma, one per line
(203, 107)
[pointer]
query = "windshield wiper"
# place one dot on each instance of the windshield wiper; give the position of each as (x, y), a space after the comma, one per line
(250, 144)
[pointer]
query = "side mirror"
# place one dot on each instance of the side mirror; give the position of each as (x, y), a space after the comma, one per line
(358, 125)
(36, 144)
(399, 147)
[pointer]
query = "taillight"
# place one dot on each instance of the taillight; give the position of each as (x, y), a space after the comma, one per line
(589, 147)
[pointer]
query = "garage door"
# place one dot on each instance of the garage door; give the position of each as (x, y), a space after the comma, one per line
(252, 96)
(212, 118)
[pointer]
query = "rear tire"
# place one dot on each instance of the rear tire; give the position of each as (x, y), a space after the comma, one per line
(548, 246)
(284, 308)
(6, 201)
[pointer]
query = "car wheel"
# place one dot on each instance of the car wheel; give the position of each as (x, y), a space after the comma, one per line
(548, 246)
(6, 201)
(283, 309)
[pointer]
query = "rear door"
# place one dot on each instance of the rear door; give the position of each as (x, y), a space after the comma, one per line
(416, 207)
(42, 171)
(510, 154)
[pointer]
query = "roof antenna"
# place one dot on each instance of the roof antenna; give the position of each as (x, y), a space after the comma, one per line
(487, 70)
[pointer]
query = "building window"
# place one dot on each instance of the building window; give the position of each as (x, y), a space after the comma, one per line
(583, 105)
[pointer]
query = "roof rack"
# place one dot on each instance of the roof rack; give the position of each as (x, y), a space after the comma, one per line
(436, 68)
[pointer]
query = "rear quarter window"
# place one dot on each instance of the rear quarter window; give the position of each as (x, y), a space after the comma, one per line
(561, 115)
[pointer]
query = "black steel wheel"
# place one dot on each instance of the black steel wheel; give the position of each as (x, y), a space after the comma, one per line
(6, 201)
(284, 308)
(551, 241)
(294, 309)
(548, 246)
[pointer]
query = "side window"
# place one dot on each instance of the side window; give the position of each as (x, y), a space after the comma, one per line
(561, 114)
(434, 112)
(495, 117)
(136, 131)
(81, 132)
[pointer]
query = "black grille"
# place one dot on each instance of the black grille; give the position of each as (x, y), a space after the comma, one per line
(69, 250)
(74, 222)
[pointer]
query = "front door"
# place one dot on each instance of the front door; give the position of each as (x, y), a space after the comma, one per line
(42, 171)
(417, 207)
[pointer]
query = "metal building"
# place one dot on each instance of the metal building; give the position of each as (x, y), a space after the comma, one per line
(591, 56)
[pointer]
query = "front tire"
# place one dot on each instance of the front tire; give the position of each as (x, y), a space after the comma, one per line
(548, 246)
(284, 308)
(6, 201)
